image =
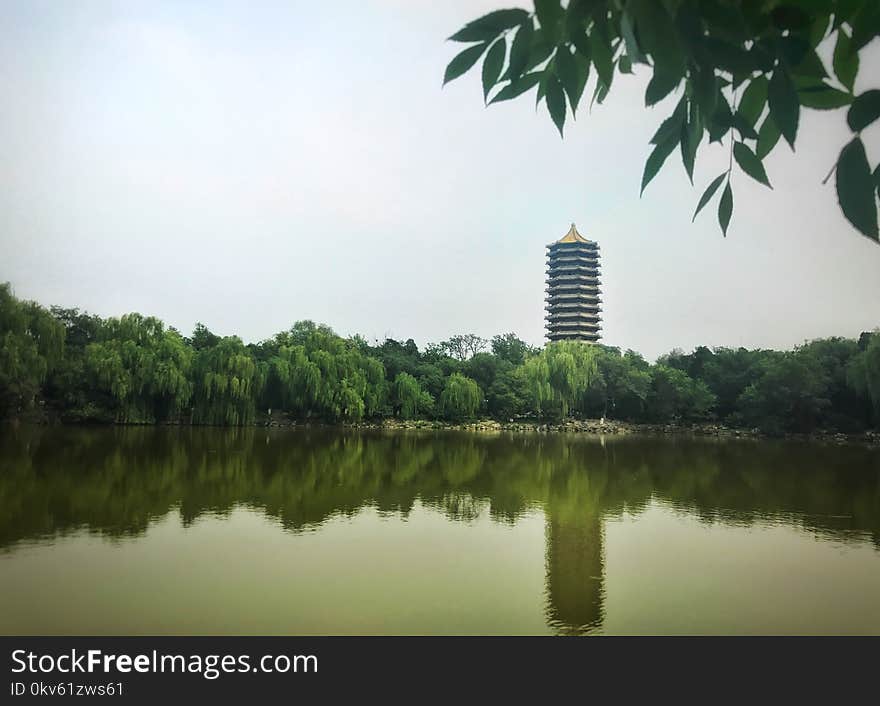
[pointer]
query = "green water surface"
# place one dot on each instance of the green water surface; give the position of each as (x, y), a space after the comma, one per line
(322, 531)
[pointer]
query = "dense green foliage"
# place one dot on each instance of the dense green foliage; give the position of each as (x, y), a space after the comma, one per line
(408, 397)
(133, 369)
(31, 343)
(741, 69)
(228, 381)
(863, 372)
(461, 398)
(142, 366)
(559, 376)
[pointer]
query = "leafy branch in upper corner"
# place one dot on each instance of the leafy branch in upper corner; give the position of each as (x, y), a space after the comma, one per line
(710, 51)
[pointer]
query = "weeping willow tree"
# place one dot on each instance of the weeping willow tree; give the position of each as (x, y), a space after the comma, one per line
(408, 397)
(863, 373)
(351, 405)
(376, 385)
(143, 367)
(461, 398)
(558, 376)
(293, 380)
(31, 344)
(343, 383)
(228, 383)
(536, 373)
(314, 372)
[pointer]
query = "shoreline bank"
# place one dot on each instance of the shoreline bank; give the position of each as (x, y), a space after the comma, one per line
(595, 427)
(598, 427)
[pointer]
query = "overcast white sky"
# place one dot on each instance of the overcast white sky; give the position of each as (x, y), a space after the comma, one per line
(251, 164)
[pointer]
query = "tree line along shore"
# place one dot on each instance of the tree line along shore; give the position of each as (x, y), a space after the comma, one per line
(66, 365)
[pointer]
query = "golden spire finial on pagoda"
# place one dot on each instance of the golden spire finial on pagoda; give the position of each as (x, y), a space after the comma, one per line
(572, 236)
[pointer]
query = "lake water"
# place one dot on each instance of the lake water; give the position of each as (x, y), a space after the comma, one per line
(316, 531)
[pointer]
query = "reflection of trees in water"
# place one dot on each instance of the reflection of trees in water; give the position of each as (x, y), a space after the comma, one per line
(463, 507)
(116, 481)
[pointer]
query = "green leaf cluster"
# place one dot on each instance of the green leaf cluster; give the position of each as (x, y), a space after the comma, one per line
(742, 73)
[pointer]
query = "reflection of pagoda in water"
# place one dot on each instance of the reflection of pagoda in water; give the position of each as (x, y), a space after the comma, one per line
(573, 288)
(575, 573)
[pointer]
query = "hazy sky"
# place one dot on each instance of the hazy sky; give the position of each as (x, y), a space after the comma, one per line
(251, 164)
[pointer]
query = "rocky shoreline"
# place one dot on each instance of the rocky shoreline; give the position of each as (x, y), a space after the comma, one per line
(602, 427)
(599, 427)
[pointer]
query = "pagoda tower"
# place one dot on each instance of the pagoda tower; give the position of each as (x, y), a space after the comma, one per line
(573, 289)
